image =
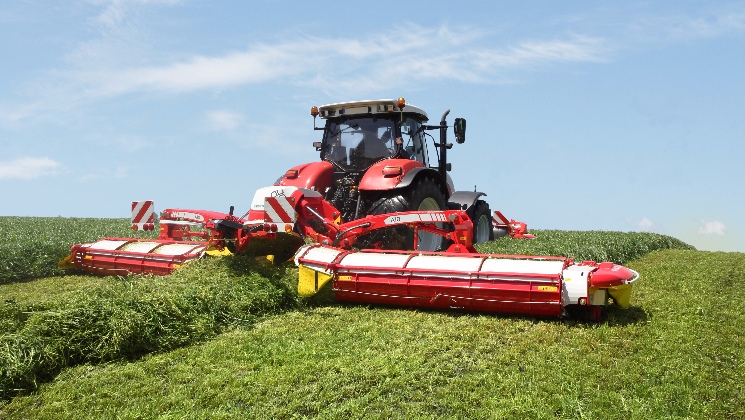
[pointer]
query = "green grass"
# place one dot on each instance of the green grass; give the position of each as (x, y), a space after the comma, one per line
(32, 246)
(119, 318)
(618, 247)
(677, 353)
(48, 326)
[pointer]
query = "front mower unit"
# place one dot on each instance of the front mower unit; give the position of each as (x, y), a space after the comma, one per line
(540, 286)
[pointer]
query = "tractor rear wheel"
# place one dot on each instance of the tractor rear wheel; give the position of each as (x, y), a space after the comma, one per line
(422, 195)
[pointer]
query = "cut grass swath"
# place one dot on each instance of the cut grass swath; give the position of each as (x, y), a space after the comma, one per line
(125, 318)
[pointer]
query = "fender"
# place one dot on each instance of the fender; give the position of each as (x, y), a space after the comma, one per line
(375, 178)
(463, 200)
(314, 175)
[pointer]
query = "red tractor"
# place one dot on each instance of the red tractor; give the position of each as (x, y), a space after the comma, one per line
(374, 160)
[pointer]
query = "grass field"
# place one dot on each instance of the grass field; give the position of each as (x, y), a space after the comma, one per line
(676, 353)
(32, 246)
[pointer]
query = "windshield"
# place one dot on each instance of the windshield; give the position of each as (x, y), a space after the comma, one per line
(359, 142)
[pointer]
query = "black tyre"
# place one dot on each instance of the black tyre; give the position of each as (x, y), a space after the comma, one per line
(482, 224)
(424, 194)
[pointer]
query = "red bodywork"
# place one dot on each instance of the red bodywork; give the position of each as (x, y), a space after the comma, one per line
(482, 290)
(183, 219)
(316, 219)
(381, 176)
(517, 230)
(607, 275)
(387, 174)
(314, 175)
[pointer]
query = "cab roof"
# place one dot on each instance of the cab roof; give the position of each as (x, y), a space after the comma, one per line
(369, 107)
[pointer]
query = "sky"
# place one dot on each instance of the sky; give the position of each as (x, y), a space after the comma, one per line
(583, 115)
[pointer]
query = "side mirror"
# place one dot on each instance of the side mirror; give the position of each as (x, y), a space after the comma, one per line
(459, 127)
(317, 145)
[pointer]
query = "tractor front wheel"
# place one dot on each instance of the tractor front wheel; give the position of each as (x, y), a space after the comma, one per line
(420, 196)
(482, 225)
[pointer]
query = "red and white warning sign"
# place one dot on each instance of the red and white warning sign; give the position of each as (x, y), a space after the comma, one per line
(279, 210)
(279, 213)
(143, 215)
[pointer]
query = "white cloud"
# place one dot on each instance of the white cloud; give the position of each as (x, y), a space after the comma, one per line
(122, 59)
(122, 37)
(714, 227)
(526, 53)
(383, 60)
(130, 144)
(119, 172)
(29, 168)
(116, 10)
(224, 120)
(258, 65)
(19, 112)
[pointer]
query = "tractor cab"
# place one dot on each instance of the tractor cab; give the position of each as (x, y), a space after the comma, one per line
(356, 135)
(374, 160)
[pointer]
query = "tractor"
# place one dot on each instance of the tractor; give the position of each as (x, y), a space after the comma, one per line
(374, 159)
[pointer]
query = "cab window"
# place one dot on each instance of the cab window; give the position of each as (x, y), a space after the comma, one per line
(358, 142)
(414, 140)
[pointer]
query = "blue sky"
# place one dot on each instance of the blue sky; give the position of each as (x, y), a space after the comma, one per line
(584, 115)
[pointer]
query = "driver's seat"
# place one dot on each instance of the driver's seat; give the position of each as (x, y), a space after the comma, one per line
(338, 154)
